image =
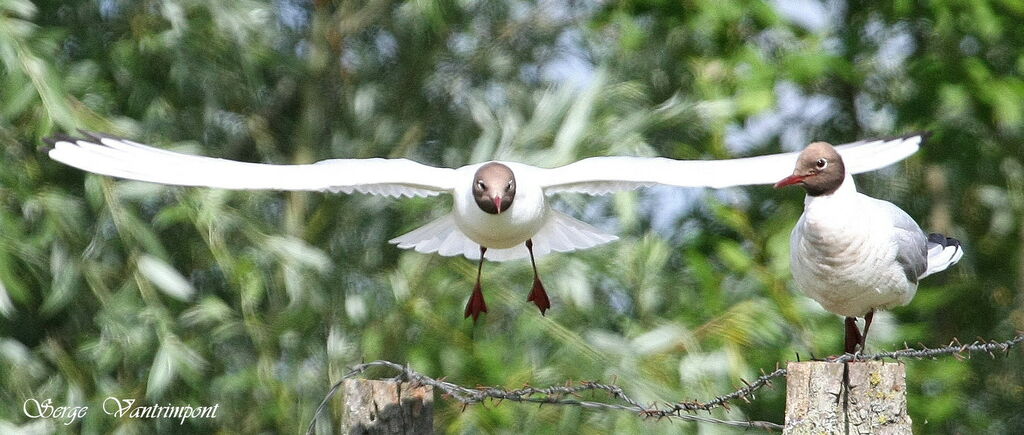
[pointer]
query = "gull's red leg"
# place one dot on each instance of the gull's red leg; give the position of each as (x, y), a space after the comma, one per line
(853, 337)
(476, 304)
(867, 324)
(537, 295)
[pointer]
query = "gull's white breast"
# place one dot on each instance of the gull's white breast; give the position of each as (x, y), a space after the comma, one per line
(843, 255)
(523, 219)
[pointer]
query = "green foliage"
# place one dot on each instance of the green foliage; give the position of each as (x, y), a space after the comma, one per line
(258, 301)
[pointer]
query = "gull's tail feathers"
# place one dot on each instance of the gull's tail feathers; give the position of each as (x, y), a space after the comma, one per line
(942, 252)
(561, 233)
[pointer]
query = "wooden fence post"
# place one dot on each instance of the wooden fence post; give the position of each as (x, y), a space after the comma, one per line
(386, 407)
(874, 403)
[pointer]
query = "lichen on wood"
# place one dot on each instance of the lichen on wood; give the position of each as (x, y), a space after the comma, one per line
(865, 397)
(387, 407)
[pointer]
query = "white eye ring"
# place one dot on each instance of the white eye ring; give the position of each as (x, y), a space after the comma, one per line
(480, 184)
(821, 163)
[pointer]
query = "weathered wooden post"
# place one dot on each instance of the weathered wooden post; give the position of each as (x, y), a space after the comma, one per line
(874, 403)
(387, 407)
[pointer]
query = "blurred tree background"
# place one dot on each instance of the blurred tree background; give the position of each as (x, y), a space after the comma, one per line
(259, 301)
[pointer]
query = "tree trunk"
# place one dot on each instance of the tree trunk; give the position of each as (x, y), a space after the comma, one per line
(874, 403)
(387, 407)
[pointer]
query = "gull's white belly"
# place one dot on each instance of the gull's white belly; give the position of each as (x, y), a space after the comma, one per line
(846, 261)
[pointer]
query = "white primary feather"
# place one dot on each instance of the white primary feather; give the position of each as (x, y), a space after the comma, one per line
(599, 175)
(127, 159)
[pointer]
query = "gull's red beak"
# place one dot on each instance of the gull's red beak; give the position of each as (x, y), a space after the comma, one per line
(497, 203)
(790, 180)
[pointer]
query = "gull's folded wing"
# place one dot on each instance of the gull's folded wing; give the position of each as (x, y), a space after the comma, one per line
(123, 158)
(600, 175)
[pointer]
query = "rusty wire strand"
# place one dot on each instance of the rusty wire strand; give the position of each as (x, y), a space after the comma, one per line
(568, 395)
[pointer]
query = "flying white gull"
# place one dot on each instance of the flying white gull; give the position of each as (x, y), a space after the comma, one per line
(500, 209)
(852, 253)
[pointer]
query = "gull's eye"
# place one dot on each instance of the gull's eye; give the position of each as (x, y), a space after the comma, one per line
(481, 185)
(821, 163)
(509, 185)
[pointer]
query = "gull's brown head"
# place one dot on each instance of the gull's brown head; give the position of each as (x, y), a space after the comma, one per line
(494, 188)
(819, 170)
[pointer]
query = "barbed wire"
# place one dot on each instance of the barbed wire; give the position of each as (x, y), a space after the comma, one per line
(955, 348)
(569, 395)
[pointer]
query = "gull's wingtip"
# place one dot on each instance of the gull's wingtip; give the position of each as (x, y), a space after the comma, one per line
(923, 134)
(51, 141)
(881, 152)
(98, 137)
(910, 143)
(86, 135)
(83, 135)
(921, 138)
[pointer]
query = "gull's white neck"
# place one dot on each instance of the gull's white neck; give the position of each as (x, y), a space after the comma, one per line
(846, 190)
(834, 218)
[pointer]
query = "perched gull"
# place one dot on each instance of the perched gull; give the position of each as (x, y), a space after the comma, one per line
(855, 254)
(500, 209)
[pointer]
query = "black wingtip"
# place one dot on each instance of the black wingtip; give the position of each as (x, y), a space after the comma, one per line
(95, 136)
(86, 135)
(924, 134)
(102, 135)
(940, 239)
(51, 142)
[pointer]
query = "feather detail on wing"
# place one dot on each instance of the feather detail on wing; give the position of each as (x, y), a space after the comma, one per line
(561, 233)
(123, 158)
(600, 175)
(441, 236)
(564, 233)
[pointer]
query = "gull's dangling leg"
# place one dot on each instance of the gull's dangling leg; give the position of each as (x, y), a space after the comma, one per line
(476, 304)
(853, 337)
(867, 324)
(538, 295)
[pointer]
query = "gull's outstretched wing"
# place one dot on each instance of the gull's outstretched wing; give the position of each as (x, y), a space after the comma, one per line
(123, 158)
(600, 175)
